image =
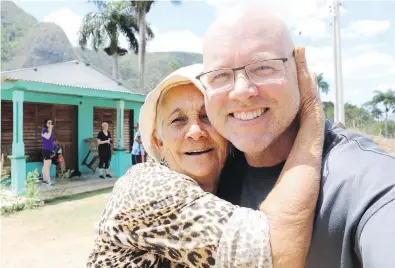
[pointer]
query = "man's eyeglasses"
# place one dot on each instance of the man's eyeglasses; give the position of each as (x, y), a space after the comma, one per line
(259, 73)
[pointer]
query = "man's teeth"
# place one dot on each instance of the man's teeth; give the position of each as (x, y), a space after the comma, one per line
(249, 115)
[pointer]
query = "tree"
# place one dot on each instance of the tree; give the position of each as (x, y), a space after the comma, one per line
(385, 100)
(329, 110)
(103, 28)
(142, 8)
(357, 117)
(322, 84)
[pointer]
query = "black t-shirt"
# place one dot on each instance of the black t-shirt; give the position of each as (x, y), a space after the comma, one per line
(354, 224)
(101, 136)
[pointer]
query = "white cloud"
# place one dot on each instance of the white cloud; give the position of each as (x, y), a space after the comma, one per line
(312, 28)
(385, 87)
(71, 22)
(392, 70)
(306, 16)
(369, 64)
(288, 9)
(176, 41)
(186, 41)
(365, 28)
(320, 60)
(68, 20)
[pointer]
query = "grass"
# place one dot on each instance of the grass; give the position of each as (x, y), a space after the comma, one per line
(385, 143)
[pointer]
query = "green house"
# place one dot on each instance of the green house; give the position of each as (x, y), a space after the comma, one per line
(78, 98)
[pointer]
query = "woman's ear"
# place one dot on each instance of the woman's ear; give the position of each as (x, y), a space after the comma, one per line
(158, 143)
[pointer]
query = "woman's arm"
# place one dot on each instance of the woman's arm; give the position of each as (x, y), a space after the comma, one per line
(166, 214)
(46, 133)
(290, 206)
(99, 141)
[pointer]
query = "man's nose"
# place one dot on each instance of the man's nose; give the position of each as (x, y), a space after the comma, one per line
(196, 132)
(243, 88)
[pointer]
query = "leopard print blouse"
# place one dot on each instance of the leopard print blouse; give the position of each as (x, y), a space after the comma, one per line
(159, 218)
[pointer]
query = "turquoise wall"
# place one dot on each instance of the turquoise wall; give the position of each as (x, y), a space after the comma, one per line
(85, 120)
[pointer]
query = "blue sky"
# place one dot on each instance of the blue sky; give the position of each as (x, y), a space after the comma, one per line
(367, 29)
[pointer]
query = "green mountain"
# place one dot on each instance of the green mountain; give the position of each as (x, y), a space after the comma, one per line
(158, 64)
(25, 42)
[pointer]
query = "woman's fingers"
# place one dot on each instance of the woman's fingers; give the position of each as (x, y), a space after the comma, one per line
(307, 81)
(310, 103)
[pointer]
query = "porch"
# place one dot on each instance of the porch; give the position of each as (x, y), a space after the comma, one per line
(78, 98)
(88, 183)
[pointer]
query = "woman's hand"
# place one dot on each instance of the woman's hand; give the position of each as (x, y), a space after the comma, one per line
(310, 101)
(290, 206)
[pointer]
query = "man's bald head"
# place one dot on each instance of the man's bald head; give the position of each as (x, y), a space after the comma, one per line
(246, 29)
(252, 115)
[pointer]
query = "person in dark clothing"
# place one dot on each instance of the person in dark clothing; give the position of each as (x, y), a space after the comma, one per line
(104, 147)
(47, 139)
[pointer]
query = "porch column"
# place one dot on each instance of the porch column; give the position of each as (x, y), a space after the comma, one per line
(120, 144)
(119, 149)
(18, 158)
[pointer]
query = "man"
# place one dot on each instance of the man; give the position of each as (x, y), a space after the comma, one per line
(137, 148)
(254, 104)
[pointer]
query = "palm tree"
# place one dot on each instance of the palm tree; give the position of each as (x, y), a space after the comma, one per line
(322, 84)
(387, 100)
(103, 28)
(142, 8)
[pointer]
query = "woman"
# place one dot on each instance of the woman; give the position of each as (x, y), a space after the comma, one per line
(104, 143)
(47, 139)
(168, 217)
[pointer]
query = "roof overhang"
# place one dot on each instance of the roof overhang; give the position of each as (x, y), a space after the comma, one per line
(39, 87)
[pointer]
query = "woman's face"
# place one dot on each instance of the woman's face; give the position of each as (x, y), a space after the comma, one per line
(105, 126)
(189, 143)
(49, 123)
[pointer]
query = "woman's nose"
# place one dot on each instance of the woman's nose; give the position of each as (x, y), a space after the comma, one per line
(196, 132)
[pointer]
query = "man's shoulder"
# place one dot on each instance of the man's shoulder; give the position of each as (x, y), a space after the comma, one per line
(351, 149)
(358, 177)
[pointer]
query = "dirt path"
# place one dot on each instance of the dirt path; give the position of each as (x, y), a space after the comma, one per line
(57, 235)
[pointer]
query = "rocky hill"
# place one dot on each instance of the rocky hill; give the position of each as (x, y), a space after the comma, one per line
(26, 42)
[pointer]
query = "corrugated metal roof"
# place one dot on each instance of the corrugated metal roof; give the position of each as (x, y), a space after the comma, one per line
(72, 73)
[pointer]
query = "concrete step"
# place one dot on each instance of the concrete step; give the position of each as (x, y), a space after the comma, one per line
(73, 188)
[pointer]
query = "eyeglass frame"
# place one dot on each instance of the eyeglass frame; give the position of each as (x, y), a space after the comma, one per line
(284, 60)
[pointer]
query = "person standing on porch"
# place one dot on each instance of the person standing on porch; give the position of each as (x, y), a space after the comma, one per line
(136, 148)
(47, 139)
(104, 147)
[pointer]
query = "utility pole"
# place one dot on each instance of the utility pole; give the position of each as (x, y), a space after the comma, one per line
(339, 102)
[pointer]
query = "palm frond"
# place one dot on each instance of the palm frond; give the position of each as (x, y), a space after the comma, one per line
(100, 4)
(129, 27)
